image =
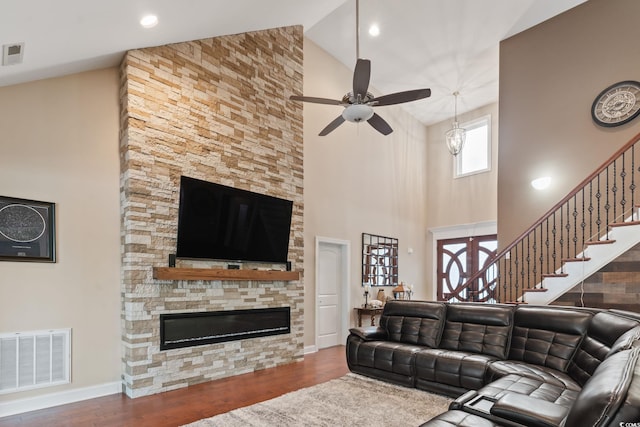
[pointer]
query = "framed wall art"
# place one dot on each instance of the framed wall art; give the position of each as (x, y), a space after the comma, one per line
(27, 230)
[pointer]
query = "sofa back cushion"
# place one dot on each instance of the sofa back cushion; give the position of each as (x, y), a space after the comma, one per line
(612, 394)
(547, 336)
(414, 322)
(606, 331)
(478, 328)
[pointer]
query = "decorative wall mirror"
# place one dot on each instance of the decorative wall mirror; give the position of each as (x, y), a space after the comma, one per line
(379, 260)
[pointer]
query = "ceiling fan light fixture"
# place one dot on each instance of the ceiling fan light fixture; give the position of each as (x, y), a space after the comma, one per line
(357, 113)
(455, 136)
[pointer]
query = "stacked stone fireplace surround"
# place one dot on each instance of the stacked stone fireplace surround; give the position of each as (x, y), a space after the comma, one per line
(218, 110)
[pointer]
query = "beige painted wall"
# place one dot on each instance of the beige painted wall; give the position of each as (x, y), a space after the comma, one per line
(466, 200)
(357, 180)
(549, 77)
(60, 144)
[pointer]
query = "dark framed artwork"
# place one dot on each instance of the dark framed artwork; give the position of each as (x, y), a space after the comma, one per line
(27, 230)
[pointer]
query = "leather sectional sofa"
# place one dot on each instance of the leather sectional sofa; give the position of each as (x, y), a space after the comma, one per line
(508, 365)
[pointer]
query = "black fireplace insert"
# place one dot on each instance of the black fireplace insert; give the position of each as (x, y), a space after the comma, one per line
(191, 329)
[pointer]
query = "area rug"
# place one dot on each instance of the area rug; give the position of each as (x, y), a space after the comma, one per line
(352, 400)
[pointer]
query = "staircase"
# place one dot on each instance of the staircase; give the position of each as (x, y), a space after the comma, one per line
(591, 226)
(591, 260)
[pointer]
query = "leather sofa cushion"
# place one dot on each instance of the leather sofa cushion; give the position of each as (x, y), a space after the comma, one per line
(455, 368)
(460, 419)
(385, 356)
(414, 322)
(478, 328)
(605, 331)
(604, 395)
(625, 341)
(502, 368)
(547, 336)
(532, 387)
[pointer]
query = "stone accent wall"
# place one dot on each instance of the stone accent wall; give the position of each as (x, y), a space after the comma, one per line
(218, 110)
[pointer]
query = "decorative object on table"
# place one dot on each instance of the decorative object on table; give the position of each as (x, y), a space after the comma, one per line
(374, 303)
(27, 230)
(399, 291)
(616, 105)
(408, 290)
(381, 296)
(379, 260)
(367, 289)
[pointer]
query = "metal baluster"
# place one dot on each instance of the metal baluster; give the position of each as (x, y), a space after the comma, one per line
(575, 226)
(583, 224)
(529, 261)
(561, 241)
(554, 254)
(633, 181)
(623, 197)
(614, 190)
(598, 218)
(547, 244)
(590, 208)
(607, 206)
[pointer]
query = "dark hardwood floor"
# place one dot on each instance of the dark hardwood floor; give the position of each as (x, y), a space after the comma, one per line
(175, 408)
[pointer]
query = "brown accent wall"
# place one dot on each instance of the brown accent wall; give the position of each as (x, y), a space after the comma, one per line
(616, 285)
(218, 110)
(549, 77)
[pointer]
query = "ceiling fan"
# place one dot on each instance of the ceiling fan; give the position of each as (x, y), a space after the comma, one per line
(358, 104)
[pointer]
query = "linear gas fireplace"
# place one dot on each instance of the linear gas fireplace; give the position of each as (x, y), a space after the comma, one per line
(191, 329)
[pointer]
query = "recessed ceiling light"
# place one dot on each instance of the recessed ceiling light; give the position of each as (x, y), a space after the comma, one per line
(149, 21)
(541, 183)
(374, 30)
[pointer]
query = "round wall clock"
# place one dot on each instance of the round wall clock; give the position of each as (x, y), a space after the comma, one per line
(618, 104)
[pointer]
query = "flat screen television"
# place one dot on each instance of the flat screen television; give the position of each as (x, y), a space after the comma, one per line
(224, 223)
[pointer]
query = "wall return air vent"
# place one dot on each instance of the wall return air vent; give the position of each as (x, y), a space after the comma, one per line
(12, 53)
(34, 359)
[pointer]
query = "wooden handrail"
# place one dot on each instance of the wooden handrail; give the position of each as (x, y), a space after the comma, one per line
(551, 211)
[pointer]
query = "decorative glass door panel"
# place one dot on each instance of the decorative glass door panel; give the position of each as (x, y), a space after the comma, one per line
(459, 259)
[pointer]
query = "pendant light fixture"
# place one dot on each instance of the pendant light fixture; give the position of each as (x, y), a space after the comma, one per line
(455, 136)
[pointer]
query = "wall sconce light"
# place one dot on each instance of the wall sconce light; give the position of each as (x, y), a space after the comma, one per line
(541, 183)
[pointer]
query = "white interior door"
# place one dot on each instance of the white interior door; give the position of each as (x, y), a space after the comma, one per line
(331, 287)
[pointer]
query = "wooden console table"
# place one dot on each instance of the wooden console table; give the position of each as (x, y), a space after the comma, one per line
(373, 312)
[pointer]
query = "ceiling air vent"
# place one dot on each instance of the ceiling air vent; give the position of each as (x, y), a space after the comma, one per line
(12, 53)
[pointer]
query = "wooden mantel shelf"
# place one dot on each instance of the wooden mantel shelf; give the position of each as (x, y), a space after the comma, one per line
(172, 273)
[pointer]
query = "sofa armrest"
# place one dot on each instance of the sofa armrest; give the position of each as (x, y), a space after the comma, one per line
(461, 400)
(369, 333)
(528, 411)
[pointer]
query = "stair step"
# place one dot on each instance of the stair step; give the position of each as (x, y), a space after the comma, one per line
(576, 259)
(515, 302)
(534, 290)
(622, 224)
(550, 275)
(599, 242)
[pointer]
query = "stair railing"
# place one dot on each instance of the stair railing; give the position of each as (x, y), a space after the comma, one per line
(605, 199)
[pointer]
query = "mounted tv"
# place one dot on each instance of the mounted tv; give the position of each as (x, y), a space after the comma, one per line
(225, 223)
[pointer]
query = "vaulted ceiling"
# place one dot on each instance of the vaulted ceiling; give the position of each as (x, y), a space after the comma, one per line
(445, 45)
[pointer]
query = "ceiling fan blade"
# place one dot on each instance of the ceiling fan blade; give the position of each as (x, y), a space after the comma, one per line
(361, 76)
(380, 124)
(400, 97)
(316, 100)
(331, 126)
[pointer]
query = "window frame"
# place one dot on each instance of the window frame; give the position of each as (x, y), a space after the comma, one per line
(457, 160)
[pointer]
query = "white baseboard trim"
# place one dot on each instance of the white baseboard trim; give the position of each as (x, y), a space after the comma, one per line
(310, 349)
(20, 406)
